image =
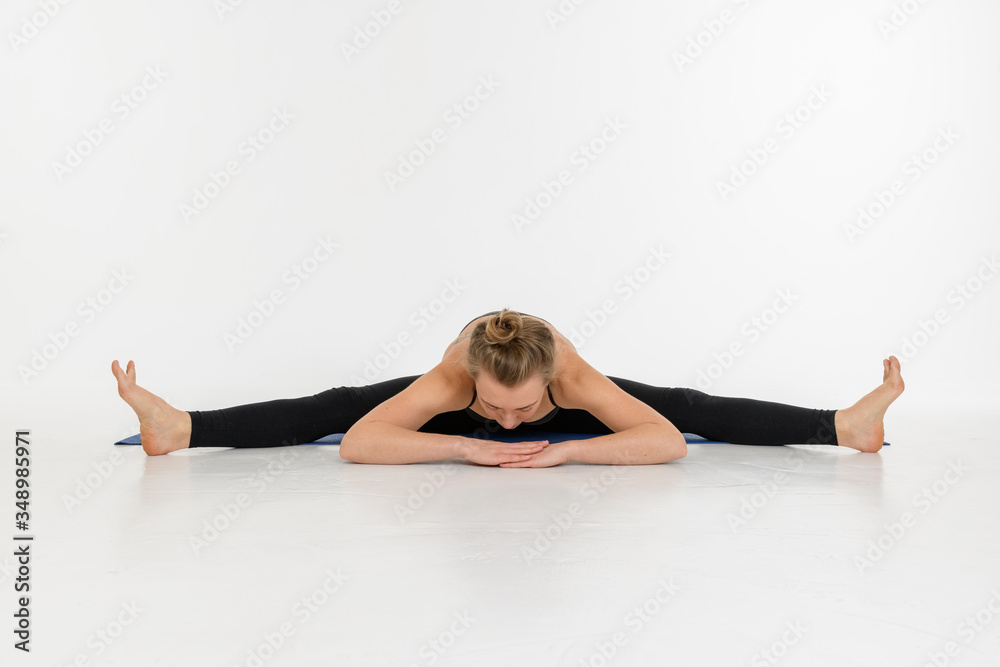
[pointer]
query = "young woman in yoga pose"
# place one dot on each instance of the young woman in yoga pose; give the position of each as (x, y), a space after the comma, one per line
(508, 370)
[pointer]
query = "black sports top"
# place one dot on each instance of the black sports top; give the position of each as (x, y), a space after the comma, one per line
(480, 418)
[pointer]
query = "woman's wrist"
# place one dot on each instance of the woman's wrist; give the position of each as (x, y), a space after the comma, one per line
(460, 447)
(570, 449)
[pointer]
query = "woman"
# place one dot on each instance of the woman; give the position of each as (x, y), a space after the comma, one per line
(508, 370)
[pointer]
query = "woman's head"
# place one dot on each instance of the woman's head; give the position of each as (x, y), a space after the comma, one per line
(512, 349)
(512, 359)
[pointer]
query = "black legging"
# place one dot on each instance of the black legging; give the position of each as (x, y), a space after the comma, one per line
(292, 421)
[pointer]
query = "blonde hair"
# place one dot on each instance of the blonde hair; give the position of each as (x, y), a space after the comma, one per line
(512, 348)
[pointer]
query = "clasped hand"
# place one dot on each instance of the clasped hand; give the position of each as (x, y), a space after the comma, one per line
(538, 454)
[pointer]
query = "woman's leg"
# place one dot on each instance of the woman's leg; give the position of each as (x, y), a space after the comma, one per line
(736, 420)
(741, 421)
(754, 422)
(291, 421)
(163, 428)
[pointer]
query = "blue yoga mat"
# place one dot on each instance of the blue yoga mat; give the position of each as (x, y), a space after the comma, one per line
(335, 438)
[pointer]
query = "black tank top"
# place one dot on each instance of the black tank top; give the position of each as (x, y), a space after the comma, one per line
(479, 417)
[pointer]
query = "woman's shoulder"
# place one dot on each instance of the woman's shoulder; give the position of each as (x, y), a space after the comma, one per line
(450, 379)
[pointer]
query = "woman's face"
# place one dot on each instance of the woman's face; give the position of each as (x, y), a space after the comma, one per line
(509, 406)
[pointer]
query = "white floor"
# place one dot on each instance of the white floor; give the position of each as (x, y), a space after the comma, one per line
(736, 555)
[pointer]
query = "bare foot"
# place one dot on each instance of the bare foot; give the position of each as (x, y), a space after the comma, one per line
(860, 426)
(162, 427)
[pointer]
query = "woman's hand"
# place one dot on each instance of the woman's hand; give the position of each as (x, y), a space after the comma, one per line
(554, 454)
(485, 452)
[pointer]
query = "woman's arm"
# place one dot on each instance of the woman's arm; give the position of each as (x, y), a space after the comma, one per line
(641, 434)
(388, 434)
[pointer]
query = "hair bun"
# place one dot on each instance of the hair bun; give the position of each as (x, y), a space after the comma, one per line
(503, 327)
(511, 348)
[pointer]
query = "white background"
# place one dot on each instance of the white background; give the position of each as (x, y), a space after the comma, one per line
(685, 128)
(114, 526)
